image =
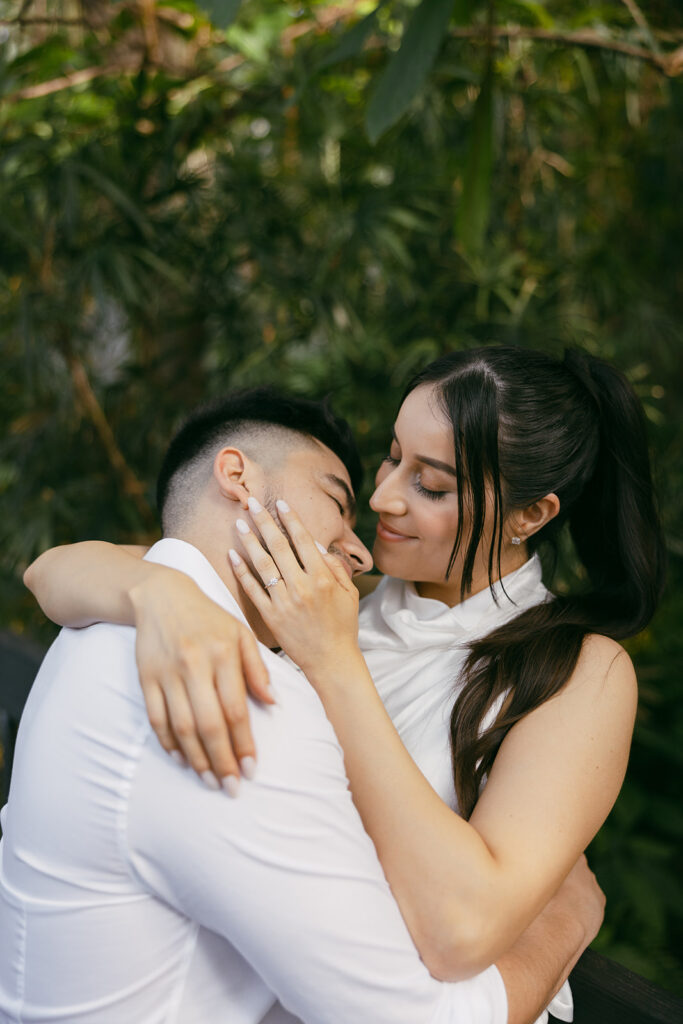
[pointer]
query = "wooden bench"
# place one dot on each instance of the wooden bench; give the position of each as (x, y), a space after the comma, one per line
(604, 991)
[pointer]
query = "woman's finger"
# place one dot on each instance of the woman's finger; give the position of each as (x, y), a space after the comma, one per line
(254, 590)
(310, 551)
(233, 700)
(255, 672)
(214, 729)
(185, 728)
(157, 713)
(336, 567)
(275, 541)
(262, 562)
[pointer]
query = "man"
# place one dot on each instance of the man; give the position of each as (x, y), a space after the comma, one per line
(130, 892)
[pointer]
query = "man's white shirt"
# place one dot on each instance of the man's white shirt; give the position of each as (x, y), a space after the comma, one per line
(130, 892)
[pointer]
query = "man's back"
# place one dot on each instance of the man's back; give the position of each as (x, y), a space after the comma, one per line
(82, 938)
(131, 892)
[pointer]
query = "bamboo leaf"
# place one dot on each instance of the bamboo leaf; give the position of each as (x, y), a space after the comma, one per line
(353, 41)
(407, 71)
(475, 201)
(116, 195)
(221, 12)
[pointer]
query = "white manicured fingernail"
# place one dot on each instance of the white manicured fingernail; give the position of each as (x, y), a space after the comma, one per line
(321, 549)
(210, 780)
(242, 526)
(247, 767)
(254, 505)
(234, 557)
(231, 785)
(178, 758)
(281, 505)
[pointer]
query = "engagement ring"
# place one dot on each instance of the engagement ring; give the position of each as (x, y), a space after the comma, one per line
(272, 583)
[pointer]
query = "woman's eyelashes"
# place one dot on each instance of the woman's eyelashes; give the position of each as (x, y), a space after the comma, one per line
(432, 495)
(418, 485)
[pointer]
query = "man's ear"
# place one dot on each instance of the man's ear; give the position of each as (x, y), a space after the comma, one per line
(232, 473)
(531, 519)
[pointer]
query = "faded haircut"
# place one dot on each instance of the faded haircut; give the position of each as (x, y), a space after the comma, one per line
(266, 424)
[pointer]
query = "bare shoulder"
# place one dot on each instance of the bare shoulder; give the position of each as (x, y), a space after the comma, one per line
(604, 671)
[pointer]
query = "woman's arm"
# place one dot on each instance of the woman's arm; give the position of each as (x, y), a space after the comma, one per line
(466, 889)
(539, 963)
(79, 584)
(190, 652)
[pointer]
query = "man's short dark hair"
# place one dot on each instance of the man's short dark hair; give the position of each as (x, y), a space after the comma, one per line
(254, 412)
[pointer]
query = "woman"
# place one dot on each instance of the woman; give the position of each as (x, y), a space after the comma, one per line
(494, 451)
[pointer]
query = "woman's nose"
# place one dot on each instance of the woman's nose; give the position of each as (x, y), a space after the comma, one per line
(387, 497)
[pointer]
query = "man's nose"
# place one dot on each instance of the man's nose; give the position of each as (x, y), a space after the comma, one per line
(360, 557)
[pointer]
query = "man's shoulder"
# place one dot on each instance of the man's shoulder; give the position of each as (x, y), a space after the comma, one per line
(83, 663)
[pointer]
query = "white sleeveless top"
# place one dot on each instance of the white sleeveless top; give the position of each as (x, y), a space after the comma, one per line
(415, 649)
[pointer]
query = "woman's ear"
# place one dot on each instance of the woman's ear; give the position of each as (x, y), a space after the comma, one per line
(531, 519)
(231, 471)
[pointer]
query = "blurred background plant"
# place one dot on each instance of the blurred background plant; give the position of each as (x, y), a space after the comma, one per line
(326, 196)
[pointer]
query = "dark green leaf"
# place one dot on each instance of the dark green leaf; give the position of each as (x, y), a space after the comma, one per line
(407, 71)
(353, 41)
(221, 12)
(475, 201)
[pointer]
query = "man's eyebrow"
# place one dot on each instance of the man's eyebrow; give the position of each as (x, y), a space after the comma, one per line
(436, 463)
(332, 478)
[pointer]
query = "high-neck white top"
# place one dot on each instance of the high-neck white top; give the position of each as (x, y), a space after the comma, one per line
(415, 649)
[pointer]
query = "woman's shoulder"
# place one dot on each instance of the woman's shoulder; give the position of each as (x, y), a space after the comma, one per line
(604, 668)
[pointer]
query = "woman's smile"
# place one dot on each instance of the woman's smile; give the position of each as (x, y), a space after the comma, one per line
(388, 533)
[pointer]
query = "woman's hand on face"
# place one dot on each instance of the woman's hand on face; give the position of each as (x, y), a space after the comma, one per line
(304, 594)
(196, 663)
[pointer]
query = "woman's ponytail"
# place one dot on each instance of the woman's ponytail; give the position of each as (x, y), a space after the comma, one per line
(576, 429)
(614, 522)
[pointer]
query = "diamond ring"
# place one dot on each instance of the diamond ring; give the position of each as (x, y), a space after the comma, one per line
(272, 583)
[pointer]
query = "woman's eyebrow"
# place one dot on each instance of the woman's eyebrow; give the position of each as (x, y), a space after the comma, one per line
(349, 499)
(436, 463)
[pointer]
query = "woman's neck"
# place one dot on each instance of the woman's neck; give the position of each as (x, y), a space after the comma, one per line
(449, 591)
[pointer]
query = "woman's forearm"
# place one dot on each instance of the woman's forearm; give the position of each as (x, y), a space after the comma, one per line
(468, 890)
(439, 868)
(78, 584)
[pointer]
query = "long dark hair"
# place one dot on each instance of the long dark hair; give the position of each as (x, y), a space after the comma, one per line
(526, 425)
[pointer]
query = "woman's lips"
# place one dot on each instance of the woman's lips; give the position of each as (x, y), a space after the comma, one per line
(388, 533)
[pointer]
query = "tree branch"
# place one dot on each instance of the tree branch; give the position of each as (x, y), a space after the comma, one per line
(32, 92)
(133, 487)
(54, 20)
(669, 63)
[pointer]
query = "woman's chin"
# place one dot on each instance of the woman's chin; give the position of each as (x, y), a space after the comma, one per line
(390, 562)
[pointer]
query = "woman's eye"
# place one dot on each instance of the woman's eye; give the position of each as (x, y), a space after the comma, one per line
(425, 492)
(391, 460)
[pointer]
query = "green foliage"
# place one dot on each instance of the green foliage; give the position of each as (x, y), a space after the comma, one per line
(222, 12)
(206, 210)
(475, 202)
(407, 71)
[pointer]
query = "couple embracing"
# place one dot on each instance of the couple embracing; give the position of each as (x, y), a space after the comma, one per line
(390, 829)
